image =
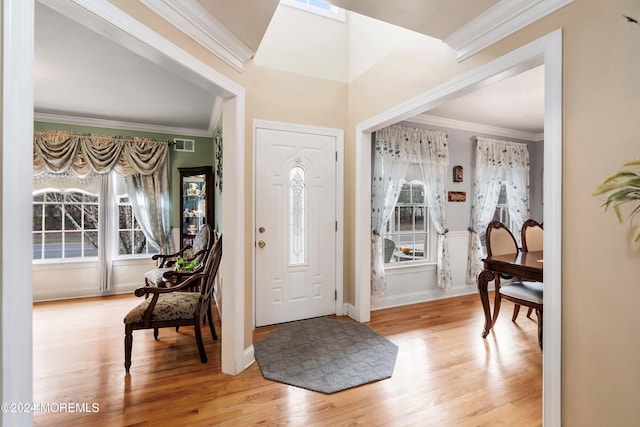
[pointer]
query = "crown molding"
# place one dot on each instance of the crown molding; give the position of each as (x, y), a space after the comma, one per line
(498, 22)
(118, 124)
(426, 119)
(194, 20)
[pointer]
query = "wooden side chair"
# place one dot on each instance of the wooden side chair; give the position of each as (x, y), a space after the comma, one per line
(500, 241)
(168, 307)
(166, 271)
(532, 238)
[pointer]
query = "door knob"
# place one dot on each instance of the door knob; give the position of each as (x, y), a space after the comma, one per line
(262, 244)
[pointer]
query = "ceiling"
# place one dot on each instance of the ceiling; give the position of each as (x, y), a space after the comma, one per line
(82, 76)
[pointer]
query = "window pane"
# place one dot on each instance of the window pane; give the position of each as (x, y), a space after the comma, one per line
(53, 245)
(90, 198)
(37, 217)
(406, 218)
(73, 244)
(73, 197)
(405, 194)
(320, 4)
(53, 219)
(90, 243)
(139, 242)
(91, 217)
(420, 245)
(37, 245)
(53, 197)
(73, 217)
(297, 216)
(420, 219)
(417, 192)
(502, 199)
(124, 246)
(125, 221)
(38, 197)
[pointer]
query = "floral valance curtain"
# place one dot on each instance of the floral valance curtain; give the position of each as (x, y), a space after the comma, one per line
(83, 154)
(496, 159)
(397, 147)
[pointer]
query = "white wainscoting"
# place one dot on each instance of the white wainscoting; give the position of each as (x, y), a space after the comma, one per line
(417, 283)
(79, 279)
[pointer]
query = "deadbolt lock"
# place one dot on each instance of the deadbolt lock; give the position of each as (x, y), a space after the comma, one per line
(261, 229)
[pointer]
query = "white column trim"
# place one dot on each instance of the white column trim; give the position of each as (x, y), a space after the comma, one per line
(16, 145)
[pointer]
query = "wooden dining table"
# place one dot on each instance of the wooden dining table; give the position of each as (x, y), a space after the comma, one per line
(524, 265)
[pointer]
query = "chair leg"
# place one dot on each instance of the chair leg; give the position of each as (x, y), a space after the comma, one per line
(155, 334)
(198, 332)
(539, 315)
(212, 327)
(496, 304)
(128, 344)
(529, 312)
(516, 310)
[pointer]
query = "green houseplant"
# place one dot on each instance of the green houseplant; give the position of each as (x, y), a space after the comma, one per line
(621, 188)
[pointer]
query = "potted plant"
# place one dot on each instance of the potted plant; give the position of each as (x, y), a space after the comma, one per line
(623, 187)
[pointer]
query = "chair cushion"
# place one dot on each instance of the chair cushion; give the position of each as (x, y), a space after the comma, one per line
(527, 291)
(154, 277)
(170, 306)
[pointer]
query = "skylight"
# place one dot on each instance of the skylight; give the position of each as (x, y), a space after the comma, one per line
(318, 7)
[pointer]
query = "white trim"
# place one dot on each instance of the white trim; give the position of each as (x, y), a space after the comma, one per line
(118, 124)
(16, 155)
(475, 127)
(338, 134)
(547, 50)
(500, 21)
(233, 213)
(194, 20)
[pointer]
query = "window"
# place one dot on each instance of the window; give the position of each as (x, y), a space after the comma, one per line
(408, 226)
(297, 216)
(65, 225)
(318, 7)
(502, 214)
(131, 239)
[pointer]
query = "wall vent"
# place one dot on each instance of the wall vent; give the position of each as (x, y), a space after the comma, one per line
(184, 144)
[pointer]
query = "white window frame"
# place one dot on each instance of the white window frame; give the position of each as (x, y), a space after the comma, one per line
(334, 12)
(430, 244)
(62, 231)
(116, 247)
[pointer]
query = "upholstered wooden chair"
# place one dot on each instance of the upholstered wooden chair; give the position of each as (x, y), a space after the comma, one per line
(389, 247)
(532, 238)
(166, 271)
(500, 241)
(169, 307)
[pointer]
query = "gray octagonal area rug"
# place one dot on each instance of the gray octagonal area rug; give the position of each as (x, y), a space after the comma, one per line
(325, 355)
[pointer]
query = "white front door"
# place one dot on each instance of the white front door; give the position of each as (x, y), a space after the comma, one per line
(295, 225)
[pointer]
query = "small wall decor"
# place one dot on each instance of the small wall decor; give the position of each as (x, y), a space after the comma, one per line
(457, 196)
(457, 173)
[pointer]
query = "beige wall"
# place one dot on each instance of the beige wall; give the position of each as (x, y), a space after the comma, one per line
(601, 350)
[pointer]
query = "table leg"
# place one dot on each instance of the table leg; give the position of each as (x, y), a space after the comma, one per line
(483, 280)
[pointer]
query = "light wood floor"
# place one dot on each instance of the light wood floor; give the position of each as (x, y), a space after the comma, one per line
(445, 374)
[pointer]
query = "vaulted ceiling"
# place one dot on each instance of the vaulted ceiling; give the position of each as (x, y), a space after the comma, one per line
(84, 75)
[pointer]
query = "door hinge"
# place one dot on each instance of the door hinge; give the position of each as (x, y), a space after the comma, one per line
(336, 156)
(336, 225)
(335, 295)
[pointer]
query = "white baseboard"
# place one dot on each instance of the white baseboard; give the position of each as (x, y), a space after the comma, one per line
(379, 303)
(350, 310)
(248, 358)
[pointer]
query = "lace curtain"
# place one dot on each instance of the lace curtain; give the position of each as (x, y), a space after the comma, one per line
(142, 162)
(495, 159)
(395, 148)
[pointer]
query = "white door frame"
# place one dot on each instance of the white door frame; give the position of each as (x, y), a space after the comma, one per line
(547, 50)
(339, 261)
(17, 110)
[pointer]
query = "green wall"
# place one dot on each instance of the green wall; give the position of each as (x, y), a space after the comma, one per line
(203, 155)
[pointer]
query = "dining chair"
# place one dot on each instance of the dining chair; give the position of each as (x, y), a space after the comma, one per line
(500, 241)
(169, 307)
(531, 235)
